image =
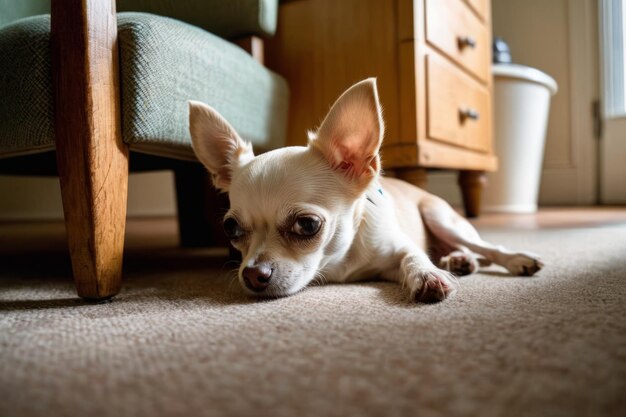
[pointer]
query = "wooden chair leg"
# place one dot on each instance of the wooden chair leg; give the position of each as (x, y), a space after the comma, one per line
(472, 184)
(200, 208)
(91, 157)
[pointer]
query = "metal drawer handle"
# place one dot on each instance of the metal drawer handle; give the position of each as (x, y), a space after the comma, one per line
(468, 41)
(468, 114)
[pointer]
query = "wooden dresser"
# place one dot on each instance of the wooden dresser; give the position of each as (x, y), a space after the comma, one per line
(432, 59)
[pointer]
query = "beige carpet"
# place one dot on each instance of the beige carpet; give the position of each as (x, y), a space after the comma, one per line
(181, 340)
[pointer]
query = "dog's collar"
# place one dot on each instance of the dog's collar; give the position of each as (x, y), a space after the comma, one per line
(380, 191)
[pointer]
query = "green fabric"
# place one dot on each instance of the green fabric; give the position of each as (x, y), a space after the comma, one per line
(163, 64)
(226, 18)
(26, 111)
(11, 10)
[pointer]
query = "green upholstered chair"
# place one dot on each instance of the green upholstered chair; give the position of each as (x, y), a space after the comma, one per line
(86, 93)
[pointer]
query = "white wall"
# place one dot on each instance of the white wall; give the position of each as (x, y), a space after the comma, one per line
(149, 194)
(559, 37)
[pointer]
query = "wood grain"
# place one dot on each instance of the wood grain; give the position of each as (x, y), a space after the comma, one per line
(472, 184)
(92, 159)
(451, 92)
(436, 154)
(480, 7)
(411, 98)
(399, 156)
(449, 21)
(322, 47)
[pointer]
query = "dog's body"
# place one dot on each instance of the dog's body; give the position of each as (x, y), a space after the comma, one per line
(323, 212)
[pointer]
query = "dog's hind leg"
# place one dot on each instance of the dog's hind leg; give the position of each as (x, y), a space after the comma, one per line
(451, 228)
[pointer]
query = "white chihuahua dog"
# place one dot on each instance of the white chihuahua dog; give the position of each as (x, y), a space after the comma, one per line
(323, 211)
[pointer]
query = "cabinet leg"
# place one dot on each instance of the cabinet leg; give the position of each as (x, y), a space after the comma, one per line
(200, 208)
(472, 184)
(415, 176)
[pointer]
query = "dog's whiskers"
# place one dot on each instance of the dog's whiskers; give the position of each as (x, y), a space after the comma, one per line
(233, 275)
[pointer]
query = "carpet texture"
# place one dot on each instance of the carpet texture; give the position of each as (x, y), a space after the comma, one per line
(182, 339)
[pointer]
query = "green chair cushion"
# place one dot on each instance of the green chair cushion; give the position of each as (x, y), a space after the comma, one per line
(26, 110)
(226, 18)
(163, 63)
(12, 10)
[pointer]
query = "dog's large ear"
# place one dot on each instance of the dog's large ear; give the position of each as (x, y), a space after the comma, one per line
(216, 144)
(351, 134)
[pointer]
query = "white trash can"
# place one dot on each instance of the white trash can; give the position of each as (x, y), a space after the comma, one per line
(521, 108)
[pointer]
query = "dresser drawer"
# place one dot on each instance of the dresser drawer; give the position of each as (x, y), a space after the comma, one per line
(455, 30)
(480, 7)
(458, 106)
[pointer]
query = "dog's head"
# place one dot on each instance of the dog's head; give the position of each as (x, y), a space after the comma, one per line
(294, 210)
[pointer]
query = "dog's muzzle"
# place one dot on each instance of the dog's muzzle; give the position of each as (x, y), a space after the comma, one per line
(257, 278)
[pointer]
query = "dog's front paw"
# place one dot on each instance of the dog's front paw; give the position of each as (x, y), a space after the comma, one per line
(433, 285)
(524, 264)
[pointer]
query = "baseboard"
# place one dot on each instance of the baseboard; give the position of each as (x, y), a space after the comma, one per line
(558, 187)
(152, 194)
(36, 198)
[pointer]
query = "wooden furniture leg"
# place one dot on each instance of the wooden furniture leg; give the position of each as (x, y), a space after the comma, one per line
(415, 176)
(472, 184)
(200, 208)
(92, 160)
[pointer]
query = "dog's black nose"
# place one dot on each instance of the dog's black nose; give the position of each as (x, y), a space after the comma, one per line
(257, 278)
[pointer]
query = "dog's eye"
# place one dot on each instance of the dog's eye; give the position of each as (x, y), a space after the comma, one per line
(232, 229)
(307, 225)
